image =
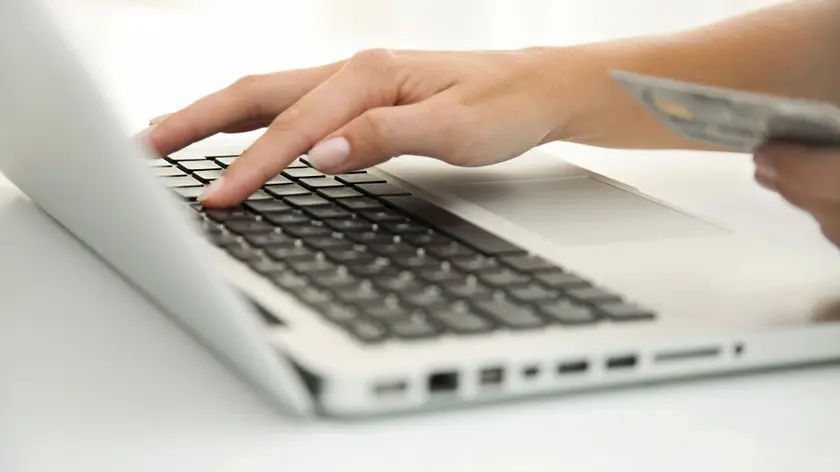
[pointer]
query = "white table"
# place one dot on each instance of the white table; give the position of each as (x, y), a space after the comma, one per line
(93, 379)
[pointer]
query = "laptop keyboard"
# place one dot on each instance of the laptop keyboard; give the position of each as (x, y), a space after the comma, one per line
(383, 264)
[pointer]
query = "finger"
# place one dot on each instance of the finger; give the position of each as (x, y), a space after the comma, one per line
(250, 98)
(364, 83)
(382, 133)
(806, 170)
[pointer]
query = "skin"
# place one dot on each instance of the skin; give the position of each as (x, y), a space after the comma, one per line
(476, 108)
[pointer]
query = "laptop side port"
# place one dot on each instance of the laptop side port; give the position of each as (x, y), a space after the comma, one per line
(622, 362)
(443, 382)
(491, 376)
(390, 388)
(573, 367)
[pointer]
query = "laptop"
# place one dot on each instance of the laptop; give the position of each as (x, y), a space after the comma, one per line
(413, 286)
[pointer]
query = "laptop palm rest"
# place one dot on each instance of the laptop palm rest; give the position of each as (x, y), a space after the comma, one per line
(580, 210)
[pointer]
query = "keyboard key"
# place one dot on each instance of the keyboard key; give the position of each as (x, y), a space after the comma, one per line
(468, 290)
(429, 238)
(243, 253)
(334, 280)
(452, 224)
(288, 252)
(384, 310)
(561, 280)
(306, 200)
(286, 217)
(372, 238)
(339, 313)
(320, 182)
(399, 283)
(349, 256)
(374, 268)
(462, 321)
(404, 227)
(167, 171)
(208, 175)
(304, 231)
(475, 263)
(359, 294)
(302, 173)
(359, 178)
(285, 190)
(224, 160)
(185, 181)
(427, 297)
(532, 293)
(289, 281)
(368, 332)
(329, 242)
(278, 180)
(339, 193)
(450, 250)
(510, 315)
(528, 263)
(350, 225)
(502, 277)
(383, 214)
(222, 239)
(259, 195)
(363, 203)
(413, 328)
(624, 311)
(182, 158)
(313, 296)
(330, 211)
(309, 266)
(567, 312)
(440, 276)
(189, 193)
(592, 295)
(417, 261)
(392, 248)
(228, 214)
(267, 266)
(299, 163)
(381, 189)
(198, 165)
(267, 205)
(246, 226)
(268, 239)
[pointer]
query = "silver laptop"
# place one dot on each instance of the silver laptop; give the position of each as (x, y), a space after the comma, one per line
(413, 286)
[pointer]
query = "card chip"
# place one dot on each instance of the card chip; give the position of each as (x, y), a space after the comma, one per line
(675, 109)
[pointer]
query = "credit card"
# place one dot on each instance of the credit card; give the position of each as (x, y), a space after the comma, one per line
(729, 119)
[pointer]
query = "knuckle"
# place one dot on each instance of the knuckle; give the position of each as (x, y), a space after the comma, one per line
(376, 60)
(377, 124)
(248, 83)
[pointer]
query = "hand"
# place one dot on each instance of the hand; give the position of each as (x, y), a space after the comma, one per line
(807, 177)
(465, 108)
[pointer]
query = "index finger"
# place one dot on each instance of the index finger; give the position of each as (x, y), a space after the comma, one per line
(252, 98)
(361, 85)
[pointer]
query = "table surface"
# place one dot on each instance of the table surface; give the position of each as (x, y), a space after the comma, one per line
(94, 379)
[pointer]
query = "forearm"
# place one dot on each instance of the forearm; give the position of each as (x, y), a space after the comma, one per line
(791, 49)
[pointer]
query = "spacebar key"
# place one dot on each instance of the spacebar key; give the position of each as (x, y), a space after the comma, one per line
(454, 225)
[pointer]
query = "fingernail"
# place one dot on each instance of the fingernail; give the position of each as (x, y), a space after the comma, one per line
(158, 119)
(766, 177)
(211, 189)
(329, 153)
(145, 133)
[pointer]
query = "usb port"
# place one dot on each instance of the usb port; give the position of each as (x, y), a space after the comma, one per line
(390, 387)
(491, 376)
(574, 367)
(622, 362)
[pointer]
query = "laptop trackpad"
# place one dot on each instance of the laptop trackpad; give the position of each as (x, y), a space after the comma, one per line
(581, 210)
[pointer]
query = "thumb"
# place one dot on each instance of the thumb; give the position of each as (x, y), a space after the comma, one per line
(378, 135)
